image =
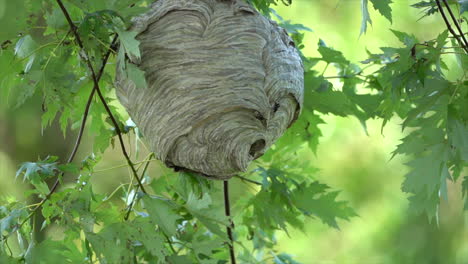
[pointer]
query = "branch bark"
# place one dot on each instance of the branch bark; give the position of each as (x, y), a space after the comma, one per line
(227, 209)
(449, 27)
(77, 141)
(84, 56)
(457, 25)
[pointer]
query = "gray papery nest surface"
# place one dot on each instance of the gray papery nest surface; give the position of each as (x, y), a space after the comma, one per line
(224, 82)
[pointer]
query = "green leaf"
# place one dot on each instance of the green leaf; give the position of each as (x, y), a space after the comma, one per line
(330, 55)
(263, 6)
(211, 216)
(314, 200)
(10, 260)
(305, 129)
(152, 240)
(334, 102)
(273, 206)
(294, 28)
(442, 39)
(320, 97)
(103, 138)
(365, 16)
(181, 259)
(205, 246)
(15, 15)
(425, 178)
(430, 7)
(163, 213)
(50, 251)
(463, 6)
(129, 43)
(284, 258)
(291, 28)
(272, 213)
(9, 223)
(408, 40)
(458, 136)
(136, 75)
(35, 172)
(26, 48)
(196, 204)
(55, 21)
(112, 243)
(383, 6)
(465, 191)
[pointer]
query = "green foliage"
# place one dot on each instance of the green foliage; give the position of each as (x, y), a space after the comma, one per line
(463, 6)
(383, 6)
(181, 220)
(162, 213)
(429, 7)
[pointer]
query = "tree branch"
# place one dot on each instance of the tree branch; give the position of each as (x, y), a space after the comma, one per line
(227, 210)
(77, 142)
(88, 103)
(449, 27)
(457, 25)
(130, 206)
(96, 79)
(85, 57)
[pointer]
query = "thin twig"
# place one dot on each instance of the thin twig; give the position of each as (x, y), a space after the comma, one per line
(325, 69)
(8, 247)
(227, 210)
(449, 27)
(454, 19)
(130, 206)
(452, 53)
(77, 142)
(248, 180)
(124, 165)
(343, 77)
(85, 117)
(75, 148)
(170, 244)
(88, 103)
(85, 57)
(55, 48)
(466, 33)
(432, 47)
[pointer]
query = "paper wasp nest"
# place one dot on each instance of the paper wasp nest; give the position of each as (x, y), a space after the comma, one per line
(224, 83)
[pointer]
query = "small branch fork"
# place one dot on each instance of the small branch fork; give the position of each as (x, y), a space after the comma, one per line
(227, 210)
(77, 143)
(96, 88)
(130, 206)
(96, 78)
(460, 37)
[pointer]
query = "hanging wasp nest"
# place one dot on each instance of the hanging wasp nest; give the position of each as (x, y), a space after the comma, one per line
(223, 83)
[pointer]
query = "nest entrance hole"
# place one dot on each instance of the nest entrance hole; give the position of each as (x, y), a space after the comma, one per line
(256, 149)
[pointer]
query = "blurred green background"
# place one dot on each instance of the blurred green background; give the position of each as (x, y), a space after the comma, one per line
(349, 160)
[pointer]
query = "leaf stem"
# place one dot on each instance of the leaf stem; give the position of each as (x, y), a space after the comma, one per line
(248, 180)
(124, 165)
(130, 206)
(8, 247)
(325, 69)
(170, 245)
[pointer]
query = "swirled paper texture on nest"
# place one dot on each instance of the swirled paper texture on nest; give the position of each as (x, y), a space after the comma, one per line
(223, 83)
